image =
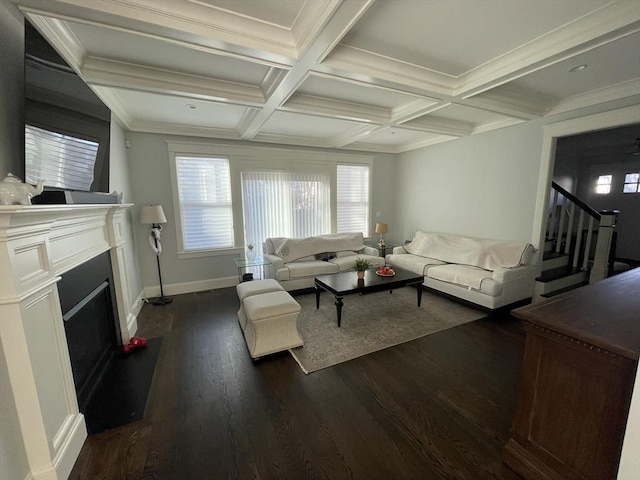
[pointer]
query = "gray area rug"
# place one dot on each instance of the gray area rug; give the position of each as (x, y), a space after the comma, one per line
(370, 323)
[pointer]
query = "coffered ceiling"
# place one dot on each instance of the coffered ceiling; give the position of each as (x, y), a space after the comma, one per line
(377, 75)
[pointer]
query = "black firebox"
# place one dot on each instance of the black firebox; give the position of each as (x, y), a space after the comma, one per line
(88, 310)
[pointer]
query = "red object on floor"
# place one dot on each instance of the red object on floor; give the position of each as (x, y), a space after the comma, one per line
(134, 343)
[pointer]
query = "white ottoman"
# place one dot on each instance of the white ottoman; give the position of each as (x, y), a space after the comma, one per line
(272, 323)
(255, 287)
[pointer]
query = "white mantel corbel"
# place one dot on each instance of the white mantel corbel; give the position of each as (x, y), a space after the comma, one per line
(39, 243)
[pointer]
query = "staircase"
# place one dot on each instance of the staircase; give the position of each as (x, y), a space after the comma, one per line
(578, 248)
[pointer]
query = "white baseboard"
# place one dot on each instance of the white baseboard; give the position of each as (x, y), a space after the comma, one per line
(68, 453)
(190, 287)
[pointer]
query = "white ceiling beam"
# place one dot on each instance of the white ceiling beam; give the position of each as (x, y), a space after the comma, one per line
(111, 73)
(342, 20)
(336, 109)
(188, 22)
(611, 22)
(443, 126)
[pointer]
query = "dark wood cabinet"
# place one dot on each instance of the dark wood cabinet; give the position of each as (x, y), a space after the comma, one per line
(578, 373)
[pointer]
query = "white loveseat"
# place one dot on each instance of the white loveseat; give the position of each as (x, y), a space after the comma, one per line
(295, 262)
(489, 273)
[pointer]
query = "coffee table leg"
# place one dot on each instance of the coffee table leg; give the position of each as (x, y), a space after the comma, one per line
(339, 309)
(419, 288)
(317, 297)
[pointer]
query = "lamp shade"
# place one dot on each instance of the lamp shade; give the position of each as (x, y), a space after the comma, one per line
(152, 214)
(381, 228)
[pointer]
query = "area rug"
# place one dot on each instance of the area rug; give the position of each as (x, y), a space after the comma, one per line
(370, 323)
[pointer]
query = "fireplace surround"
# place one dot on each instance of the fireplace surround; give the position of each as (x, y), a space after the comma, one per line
(38, 245)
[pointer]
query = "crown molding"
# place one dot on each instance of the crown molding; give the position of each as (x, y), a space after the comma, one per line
(58, 33)
(376, 66)
(116, 105)
(609, 23)
(291, 140)
(487, 127)
(514, 104)
(428, 142)
(112, 73)
(321, 106)
(602, 95)
(353, 134)
(310, 22)
(271, 81)
(443, 126)
(165, 128)
(372, 147)
(417, 108)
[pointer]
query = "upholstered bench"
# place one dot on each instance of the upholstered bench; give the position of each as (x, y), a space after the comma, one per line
(271, 323)
(256, 287)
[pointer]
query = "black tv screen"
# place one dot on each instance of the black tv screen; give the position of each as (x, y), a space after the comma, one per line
(67, 126)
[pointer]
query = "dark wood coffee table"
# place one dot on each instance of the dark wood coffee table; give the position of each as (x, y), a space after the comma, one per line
(347, 283)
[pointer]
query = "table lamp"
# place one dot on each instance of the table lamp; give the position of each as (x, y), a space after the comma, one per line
(381, 228)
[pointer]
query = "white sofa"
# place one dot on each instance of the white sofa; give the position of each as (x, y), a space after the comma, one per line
(295, 262)
(489, 273)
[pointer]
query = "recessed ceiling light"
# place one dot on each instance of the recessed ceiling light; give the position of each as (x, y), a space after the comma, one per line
(191, 106)
(578, 68)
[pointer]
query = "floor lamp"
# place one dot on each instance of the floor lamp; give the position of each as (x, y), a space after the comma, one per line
(154, 215)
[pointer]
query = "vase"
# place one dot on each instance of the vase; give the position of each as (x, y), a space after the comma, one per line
(360, 275)
(251, 254)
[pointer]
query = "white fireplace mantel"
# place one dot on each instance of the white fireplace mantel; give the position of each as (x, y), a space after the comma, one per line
(38, 243)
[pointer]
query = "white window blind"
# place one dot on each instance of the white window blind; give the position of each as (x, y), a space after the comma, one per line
(60, 160)
(285, 204)
(204, 193)
(353, 199)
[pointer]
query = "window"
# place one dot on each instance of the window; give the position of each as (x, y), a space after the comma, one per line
(204, 195)
(631, 183)
(285, 204)
(353, 199)
(61, 160)
(603, 184)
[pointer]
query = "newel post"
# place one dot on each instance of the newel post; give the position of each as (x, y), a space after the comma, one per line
(600, 268)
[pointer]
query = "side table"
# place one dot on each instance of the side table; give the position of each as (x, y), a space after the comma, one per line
(244, 263)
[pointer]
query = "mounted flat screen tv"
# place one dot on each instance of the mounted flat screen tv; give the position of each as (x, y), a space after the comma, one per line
(67, 126)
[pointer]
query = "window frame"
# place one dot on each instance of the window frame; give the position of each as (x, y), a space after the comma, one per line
(600, 184)
(252, 158)
(625, 183)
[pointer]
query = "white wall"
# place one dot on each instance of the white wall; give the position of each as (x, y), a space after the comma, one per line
(13, 459)
(150, 174)
(484, 185)
(119, 181)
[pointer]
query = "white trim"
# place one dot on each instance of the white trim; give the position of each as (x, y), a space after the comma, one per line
(263, 158)
(600, 121)
(191, 287)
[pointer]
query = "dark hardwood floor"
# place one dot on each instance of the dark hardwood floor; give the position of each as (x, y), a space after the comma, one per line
(439, 407)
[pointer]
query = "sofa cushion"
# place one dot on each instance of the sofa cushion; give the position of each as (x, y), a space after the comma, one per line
(345, 264)
(292, 249)
(465, 275)
(305, 269)
(413, 263)
(478, 252)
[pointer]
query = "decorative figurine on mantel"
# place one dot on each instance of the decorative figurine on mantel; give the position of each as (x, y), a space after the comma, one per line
(14, 192)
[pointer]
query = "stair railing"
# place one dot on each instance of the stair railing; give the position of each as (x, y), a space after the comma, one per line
(569, 216)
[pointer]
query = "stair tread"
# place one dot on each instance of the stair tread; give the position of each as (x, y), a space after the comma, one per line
(556, 273)
(564, 290)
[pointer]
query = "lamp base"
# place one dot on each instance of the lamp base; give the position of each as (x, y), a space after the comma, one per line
(160, 300)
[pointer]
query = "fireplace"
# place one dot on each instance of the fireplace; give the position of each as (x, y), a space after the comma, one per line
(87, 301)
(46, 250)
